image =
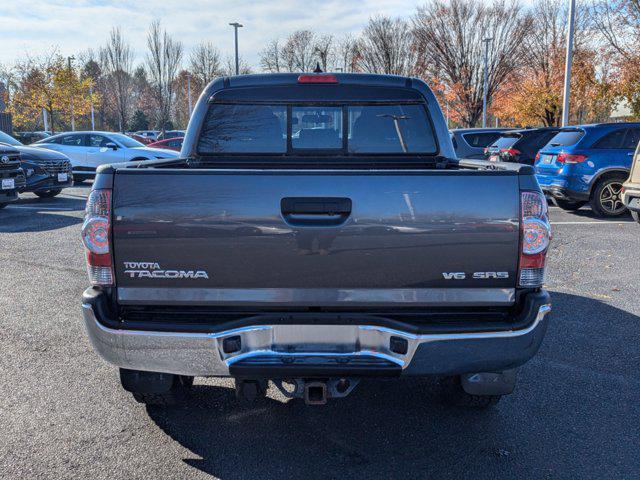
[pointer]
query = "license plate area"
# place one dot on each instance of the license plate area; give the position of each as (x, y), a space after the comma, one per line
(8, 184)
(547, 159)
(63, 177)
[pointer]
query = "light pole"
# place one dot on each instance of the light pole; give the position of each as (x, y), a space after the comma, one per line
(486, 81)
(236, 26)
(446, 99)
(73, 120)
(568, 63)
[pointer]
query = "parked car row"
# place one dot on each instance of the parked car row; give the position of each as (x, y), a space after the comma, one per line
(575, 166)
(88, 150)
(55, 162)
(45, 172)
(589, 164)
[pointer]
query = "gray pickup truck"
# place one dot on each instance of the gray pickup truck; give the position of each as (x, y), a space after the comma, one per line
(317, 230)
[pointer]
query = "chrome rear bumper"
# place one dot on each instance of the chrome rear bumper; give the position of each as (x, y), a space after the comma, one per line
(288, 346)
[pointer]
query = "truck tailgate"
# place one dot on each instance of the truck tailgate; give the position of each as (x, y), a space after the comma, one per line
(315, 238)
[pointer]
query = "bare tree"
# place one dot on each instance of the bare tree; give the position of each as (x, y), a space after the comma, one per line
(91, 68)
(7, 84)
(116, 58)
(301, 51)
(448, 36)
(230, 66)
(618, 21)
(163, 62)
(205, 63)
(298, 52)
(325, 52)
(543, 55)
(347, 54)
(270, 57)
(386, 46)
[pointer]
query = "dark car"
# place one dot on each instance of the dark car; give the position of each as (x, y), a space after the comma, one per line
(46, 172)
(11, 175)
(520, 146)
(171, 134)
(471, 142)
(27, 138)
(588, 164)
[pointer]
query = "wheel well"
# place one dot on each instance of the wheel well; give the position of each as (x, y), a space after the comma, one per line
(606, 175)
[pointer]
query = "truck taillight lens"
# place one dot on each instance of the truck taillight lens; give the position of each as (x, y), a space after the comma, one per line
(96, 235)
(535, 239)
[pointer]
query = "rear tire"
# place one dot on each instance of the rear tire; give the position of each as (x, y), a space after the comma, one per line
(168, 390)
(569, 205)
(49, 193)
(606, 199)
(453, 394)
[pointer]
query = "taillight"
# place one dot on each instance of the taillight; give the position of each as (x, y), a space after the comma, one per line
(535, 239)
(537, 156)
(317, 78)
(96, 236)
(510, 151)
(569, 158)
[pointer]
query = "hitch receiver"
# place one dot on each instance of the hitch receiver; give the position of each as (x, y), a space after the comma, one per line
(315, 393)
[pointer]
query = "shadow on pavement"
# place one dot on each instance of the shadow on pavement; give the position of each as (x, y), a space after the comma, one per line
(40, 218)
(586, 212)
(563, 417)
(70, 202)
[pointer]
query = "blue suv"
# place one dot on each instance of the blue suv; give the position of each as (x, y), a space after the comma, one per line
(588, 164)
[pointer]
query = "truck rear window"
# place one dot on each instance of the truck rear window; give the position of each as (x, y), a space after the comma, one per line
(244, 129)
(313, 129)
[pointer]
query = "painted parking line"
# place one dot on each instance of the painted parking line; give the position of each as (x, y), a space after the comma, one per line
(29, 207)
(594, 222)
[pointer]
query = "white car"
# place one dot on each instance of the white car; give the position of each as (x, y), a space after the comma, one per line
(88, 150)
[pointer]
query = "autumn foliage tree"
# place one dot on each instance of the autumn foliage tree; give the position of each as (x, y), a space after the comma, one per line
(449, 41)
(49, 83)
(618, 22)
(533, 94)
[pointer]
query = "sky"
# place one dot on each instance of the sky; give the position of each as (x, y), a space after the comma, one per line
(33, 27)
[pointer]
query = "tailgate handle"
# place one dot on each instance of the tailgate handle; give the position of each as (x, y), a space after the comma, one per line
(315, 210)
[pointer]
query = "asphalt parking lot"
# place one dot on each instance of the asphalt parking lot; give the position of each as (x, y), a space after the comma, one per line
(575, 412)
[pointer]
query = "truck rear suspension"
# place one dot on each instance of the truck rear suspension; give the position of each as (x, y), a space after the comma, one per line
(313, 391)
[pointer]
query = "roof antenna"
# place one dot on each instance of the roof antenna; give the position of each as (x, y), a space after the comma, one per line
(318, 69)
